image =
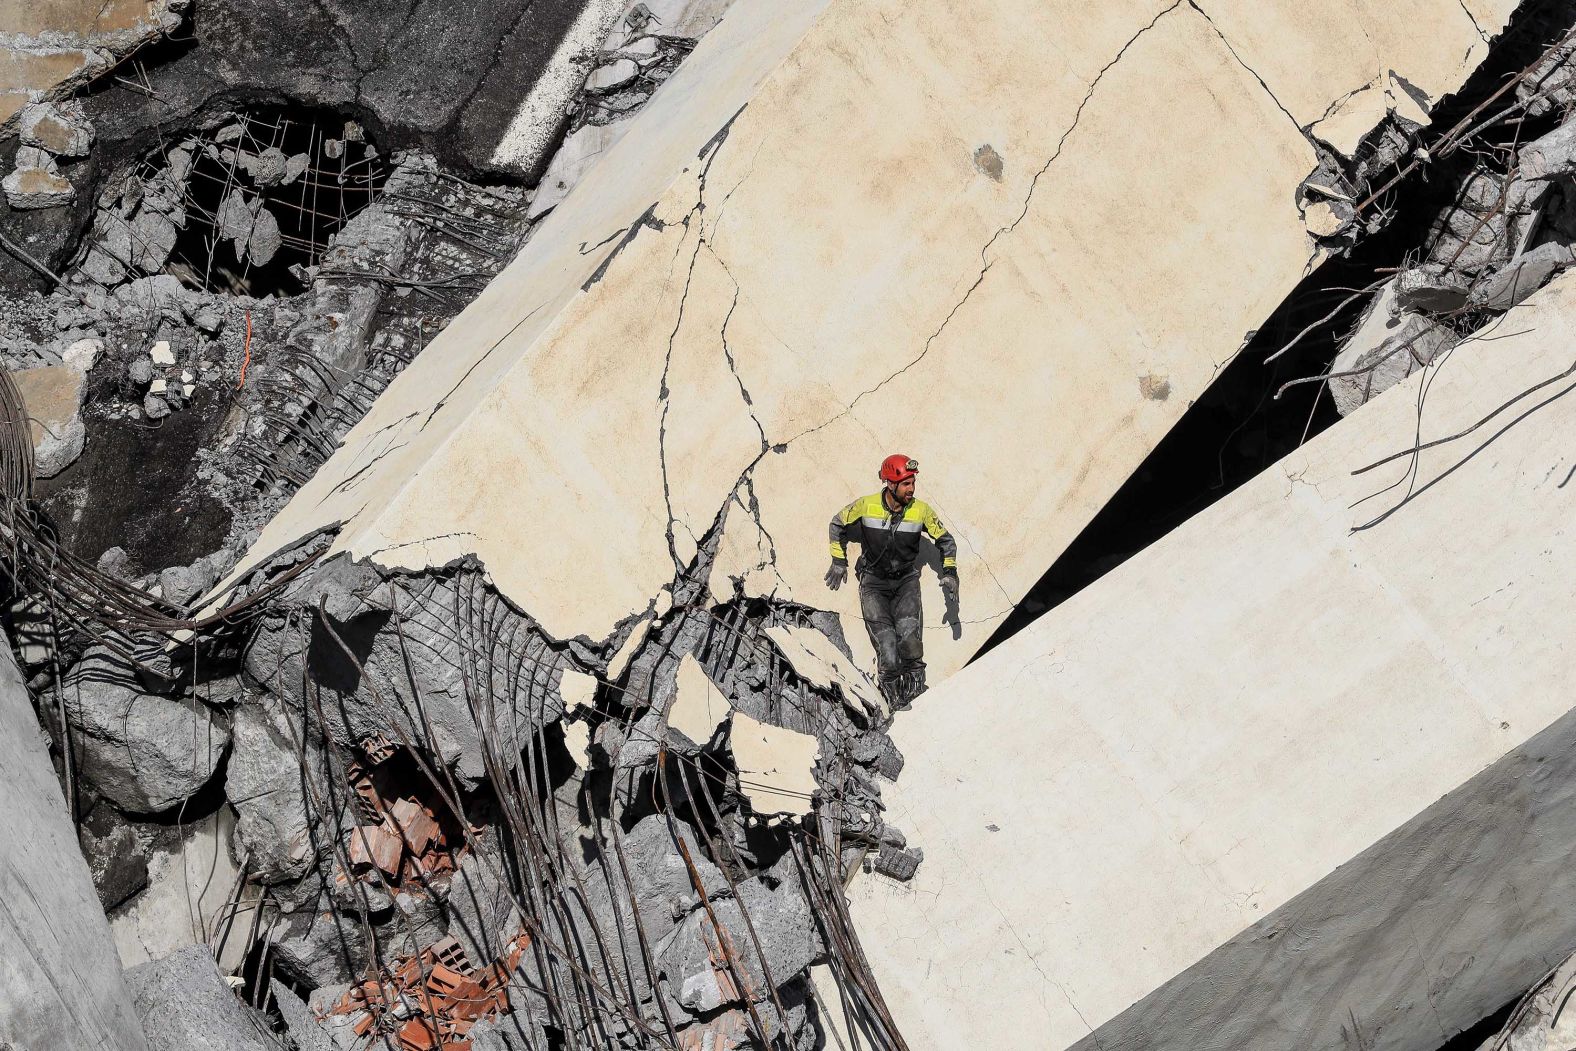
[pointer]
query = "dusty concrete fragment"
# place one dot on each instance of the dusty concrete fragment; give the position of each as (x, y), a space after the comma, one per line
(186, 899)
(83, 354)
(776, 766)
(51, 48)
(1388, 345)
(53, 397)
(186, 1005)
(1432, 289)
(698, 707)
(1522, 276)
(161, 354)
(295, 165)
(152, 239)
(60, 982)
(27, 188)
(302, 1026)
(695, 962)
(62, 128)
(1551, 157)
(267, 168)
(143, 751)
(264, 783)
(814, 656)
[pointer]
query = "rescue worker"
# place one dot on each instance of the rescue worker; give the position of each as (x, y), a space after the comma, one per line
(887, 526)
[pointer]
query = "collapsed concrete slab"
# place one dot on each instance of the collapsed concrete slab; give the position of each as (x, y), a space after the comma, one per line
(744, 304)
(60, 979)
(1298, 775)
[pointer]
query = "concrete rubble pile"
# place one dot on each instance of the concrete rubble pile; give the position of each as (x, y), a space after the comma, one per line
(1508, 226)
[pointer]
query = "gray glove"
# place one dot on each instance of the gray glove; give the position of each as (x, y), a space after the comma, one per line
(949, 588)
(836, 575)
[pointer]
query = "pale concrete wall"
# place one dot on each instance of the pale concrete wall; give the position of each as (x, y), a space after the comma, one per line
(1246, 728)
(60, 977)
(797, 247)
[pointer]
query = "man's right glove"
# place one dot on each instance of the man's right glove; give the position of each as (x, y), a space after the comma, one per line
(836, 575)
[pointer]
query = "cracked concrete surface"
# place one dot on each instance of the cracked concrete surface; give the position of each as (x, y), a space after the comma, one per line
(1210, 779)
(876, 283)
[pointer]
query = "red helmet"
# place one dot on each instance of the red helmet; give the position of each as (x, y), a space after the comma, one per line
(897, 467)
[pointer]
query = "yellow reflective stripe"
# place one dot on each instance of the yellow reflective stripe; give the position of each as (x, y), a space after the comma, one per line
(949, 563)
(838, 552)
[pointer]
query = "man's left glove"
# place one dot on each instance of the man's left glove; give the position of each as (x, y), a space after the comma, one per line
(836, 575)
(949, 587)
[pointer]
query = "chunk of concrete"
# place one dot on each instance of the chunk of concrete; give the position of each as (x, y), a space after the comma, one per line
(143, 751)
(187, 898)
(1431, 289)
(815, 657)
(186, 1005)
(83, 354)
(31, 188)
(62, 128)
(696, 959)
(267, 168)
(53, 398)
(61, 985)
(152, 239)
(1549, 157)
(776, 766)
(698, 707)
(612, 75)
(1522, 276)
(264, 783)
(1388, 345)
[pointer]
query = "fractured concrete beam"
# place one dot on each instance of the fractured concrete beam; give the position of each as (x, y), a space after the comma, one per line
(1278, 775)
(1001, 238)
(60, 978)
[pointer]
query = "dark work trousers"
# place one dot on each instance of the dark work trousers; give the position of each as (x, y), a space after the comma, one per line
(895, 619)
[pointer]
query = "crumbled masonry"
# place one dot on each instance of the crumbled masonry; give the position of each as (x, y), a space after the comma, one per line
(359, 744)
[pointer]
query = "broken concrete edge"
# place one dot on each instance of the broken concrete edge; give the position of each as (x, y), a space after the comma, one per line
(101, 52)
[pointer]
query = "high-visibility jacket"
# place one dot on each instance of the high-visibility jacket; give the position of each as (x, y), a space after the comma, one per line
(888, 540)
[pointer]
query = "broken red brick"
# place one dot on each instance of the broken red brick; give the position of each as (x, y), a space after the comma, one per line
(418, 1035)
(417, 823)
(374, 846)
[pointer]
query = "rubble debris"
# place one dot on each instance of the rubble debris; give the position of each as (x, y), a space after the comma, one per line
(53, 398)
(64, 987)
(697, 708)
(1390, 343)
(301, 1026)
(38, 184)
(144, 751)
(60, 128)
(429, 1001)
(186, 1005)
(186, 900)
(775, 766)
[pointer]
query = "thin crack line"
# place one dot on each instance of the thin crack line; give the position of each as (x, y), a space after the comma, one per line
(1251, 71)
(985, 261)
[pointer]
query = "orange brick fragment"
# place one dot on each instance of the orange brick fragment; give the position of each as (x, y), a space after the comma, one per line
(373, 846)
(418, 1035)
(417, 822)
